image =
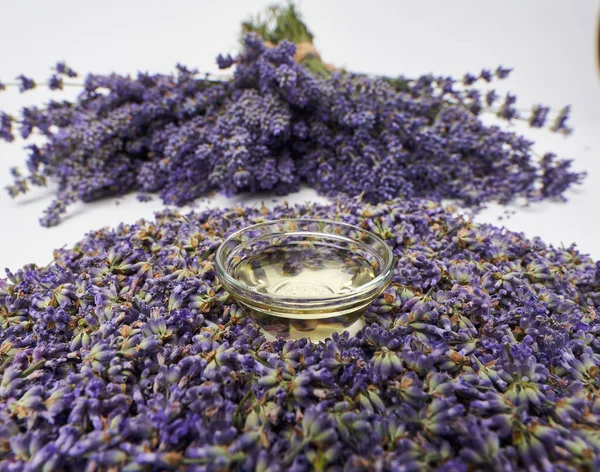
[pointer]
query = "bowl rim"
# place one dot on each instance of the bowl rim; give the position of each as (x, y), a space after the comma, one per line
(383, 277)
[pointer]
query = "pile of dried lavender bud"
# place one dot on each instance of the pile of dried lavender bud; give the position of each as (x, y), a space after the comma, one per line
(126, 354)
(276, 125)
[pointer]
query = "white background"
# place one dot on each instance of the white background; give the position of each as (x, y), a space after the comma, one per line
(551, 44)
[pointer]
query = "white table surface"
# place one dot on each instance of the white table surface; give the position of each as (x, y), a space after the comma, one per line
(551, 45)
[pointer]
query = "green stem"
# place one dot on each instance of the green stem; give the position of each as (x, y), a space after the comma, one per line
(238, 457)
(7, 361)
(258, 359)
(429, 292)
(240, 406)
(65, 84)
(32, 368)
(292, 455)
(218, 79)
(450, 231)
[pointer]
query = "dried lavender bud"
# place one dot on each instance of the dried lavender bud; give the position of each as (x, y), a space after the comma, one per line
(502, 72)
(538, 116)
(559, 125)
(225, 62)
(55, 83)
(62, 69)
(491, 97)
(126, 353)
(486, 75)
(25, 83)
(6, 127)
(507, 110)
(469, 79)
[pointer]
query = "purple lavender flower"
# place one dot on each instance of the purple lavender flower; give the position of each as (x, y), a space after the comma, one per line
(502, 72)
(25, 83)
(538, 116)
(552, 177)
(469, 79)
(507, 110)
(225, 62)
(559, 125)
(486, 75)
(491, 97)
(62, 69)
(55, 83)
(6, 127)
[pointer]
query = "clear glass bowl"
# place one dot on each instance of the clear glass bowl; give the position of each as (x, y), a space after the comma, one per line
(301, 278)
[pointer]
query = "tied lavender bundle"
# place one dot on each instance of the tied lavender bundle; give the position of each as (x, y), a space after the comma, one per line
(126, 354)
(276, 125)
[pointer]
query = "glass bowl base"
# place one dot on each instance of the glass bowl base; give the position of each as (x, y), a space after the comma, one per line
(315, 330)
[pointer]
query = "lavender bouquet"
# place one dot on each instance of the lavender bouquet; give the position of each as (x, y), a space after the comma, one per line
(279, 123)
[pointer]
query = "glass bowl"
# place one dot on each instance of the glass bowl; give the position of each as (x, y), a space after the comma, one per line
(300, 278)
